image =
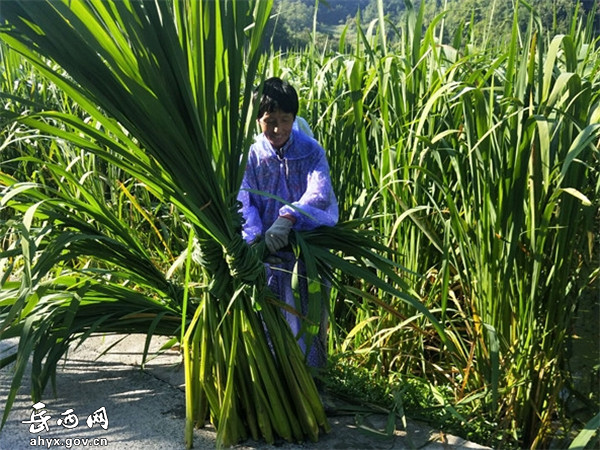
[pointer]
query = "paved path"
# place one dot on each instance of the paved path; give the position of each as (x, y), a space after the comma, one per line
(144, 409)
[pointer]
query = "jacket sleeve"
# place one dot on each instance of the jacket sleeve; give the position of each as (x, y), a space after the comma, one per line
(252, 226)
(318, 201)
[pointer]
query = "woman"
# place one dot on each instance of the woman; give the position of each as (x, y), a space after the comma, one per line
(286, 186)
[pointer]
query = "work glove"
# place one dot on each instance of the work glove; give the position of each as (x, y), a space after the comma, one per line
(276, 237)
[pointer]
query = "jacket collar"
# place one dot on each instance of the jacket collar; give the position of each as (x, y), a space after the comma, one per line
(292, 149)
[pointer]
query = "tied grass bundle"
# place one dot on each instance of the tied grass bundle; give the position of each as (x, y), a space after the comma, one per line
(158, 83)
(243, 363)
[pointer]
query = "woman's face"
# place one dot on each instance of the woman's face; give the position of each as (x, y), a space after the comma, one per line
(277, 127)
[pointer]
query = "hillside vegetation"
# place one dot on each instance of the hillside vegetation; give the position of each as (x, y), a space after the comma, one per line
(484, 21)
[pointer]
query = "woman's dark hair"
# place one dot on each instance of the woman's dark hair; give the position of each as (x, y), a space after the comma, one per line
(277, 94)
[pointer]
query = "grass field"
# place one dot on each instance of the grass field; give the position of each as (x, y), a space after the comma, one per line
(468, 183)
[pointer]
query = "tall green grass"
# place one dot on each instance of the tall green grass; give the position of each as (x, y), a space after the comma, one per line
(479, 165)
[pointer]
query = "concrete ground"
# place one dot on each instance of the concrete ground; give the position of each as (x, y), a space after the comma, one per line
(106, 401)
